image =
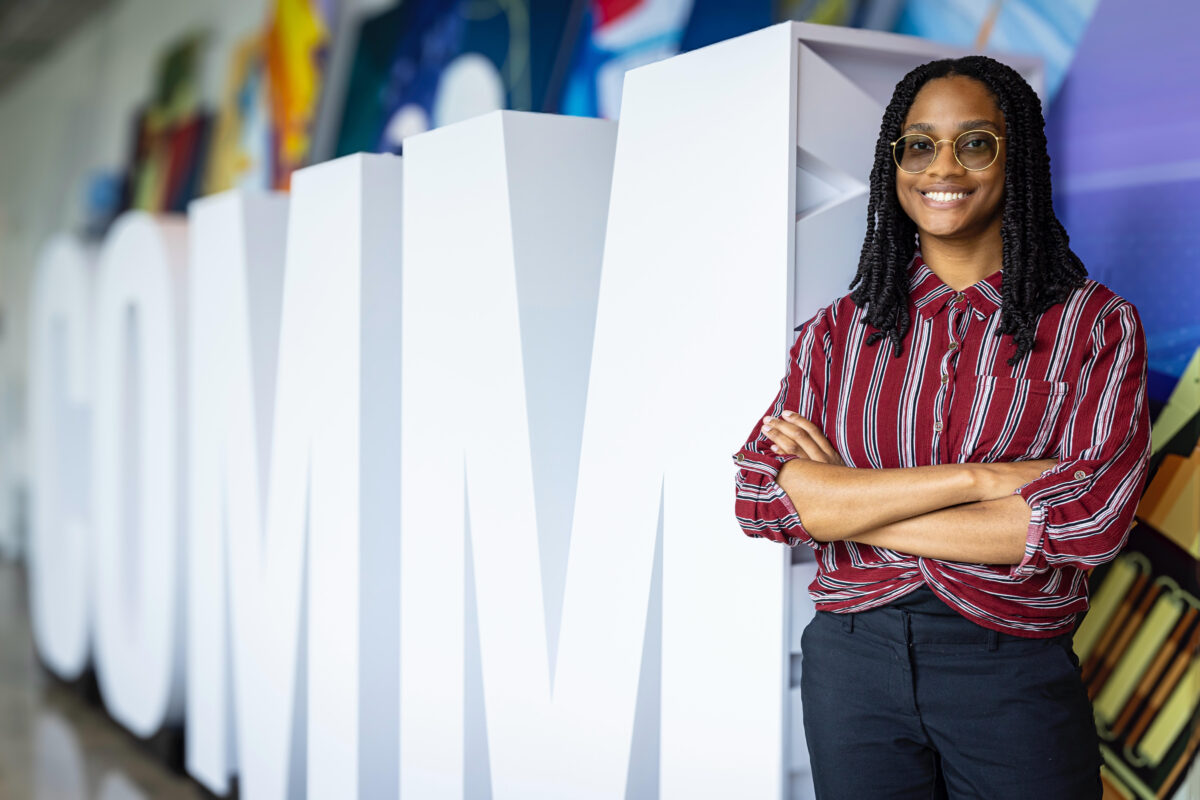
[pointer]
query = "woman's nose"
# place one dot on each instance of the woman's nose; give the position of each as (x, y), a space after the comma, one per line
(944, 161)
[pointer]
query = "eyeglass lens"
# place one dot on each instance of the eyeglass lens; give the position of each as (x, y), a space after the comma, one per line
(974, 150)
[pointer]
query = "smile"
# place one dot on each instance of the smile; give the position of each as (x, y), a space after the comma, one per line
(946, 197)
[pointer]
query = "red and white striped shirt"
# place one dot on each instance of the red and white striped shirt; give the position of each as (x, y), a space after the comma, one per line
(1079, 397)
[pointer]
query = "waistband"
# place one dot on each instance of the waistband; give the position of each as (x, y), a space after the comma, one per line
(921, 617)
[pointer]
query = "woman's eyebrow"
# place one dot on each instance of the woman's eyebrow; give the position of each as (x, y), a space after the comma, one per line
(976, 124)
(969, 125)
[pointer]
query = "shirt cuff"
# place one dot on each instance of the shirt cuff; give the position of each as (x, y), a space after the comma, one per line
(1034, 559)
(763, 508)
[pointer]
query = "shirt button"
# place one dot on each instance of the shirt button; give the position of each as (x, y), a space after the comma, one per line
(945, 379)
(937, 426)
(954, 345)
(1080, 474)
(958, 297)
(740, 458)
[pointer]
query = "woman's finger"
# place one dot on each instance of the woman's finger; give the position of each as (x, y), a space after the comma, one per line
(800, 436)
(782, 443)
(807, 447)
(817, 436)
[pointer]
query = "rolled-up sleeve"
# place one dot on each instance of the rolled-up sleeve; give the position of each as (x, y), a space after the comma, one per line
(761, 506)
(1082, 510)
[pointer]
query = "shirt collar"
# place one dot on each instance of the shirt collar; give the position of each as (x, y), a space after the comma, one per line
(930, 295)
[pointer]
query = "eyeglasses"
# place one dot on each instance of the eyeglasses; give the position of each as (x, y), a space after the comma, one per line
(974, 150)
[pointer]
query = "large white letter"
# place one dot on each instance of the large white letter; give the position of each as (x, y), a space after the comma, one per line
(315, 683)
(138, 470)
(507, 225)
(505, 228)
(60, 393)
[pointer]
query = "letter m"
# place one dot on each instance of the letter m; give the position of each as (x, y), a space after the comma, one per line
(531, 529)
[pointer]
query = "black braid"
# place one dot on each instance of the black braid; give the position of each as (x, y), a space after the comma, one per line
(1040, 269)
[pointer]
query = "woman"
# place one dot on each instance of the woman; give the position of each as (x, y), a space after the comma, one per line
(960, 439)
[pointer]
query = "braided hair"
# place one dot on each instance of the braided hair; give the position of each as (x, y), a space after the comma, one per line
(1039, 268)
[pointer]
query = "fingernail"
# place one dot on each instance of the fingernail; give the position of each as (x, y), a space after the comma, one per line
(789, 414)
(766, 419)
(774, 449)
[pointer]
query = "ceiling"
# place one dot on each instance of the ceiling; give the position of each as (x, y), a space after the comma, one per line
(31, 29)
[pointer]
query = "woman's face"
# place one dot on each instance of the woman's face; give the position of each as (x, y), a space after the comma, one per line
(942, 109)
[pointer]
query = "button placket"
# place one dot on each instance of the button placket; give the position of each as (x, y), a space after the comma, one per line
(955, 330)
(942, 405)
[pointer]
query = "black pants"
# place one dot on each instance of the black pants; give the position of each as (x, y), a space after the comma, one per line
(912, 700)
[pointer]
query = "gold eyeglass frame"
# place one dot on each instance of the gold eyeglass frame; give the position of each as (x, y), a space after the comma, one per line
(953, 151)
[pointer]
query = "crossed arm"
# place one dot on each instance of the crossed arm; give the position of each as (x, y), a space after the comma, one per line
(953, 512)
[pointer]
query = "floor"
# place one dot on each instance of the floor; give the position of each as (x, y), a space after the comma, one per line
(54, 744)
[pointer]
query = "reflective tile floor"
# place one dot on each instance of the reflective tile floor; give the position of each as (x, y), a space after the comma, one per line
(54, 745)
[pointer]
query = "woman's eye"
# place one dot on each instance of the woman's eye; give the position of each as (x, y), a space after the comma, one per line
(974, 143)
(918, 145)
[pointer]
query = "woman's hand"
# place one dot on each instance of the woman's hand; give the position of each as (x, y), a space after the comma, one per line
(792, 434)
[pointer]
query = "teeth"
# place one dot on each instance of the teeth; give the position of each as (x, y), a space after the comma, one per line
(945, 197)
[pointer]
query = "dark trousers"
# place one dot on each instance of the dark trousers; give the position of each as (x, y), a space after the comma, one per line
(912, 700)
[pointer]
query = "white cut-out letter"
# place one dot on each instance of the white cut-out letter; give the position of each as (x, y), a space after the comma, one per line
(60, 393)
(138, 470)
(313, 381)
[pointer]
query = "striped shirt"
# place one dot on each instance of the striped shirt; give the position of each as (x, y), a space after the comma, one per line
(1078, 397)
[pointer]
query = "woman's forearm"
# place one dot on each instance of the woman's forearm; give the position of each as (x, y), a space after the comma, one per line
(836, 502)
(988, 532)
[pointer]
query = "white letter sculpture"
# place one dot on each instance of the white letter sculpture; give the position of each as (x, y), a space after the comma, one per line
(300, 396)
(60, 393)
(137, 469)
